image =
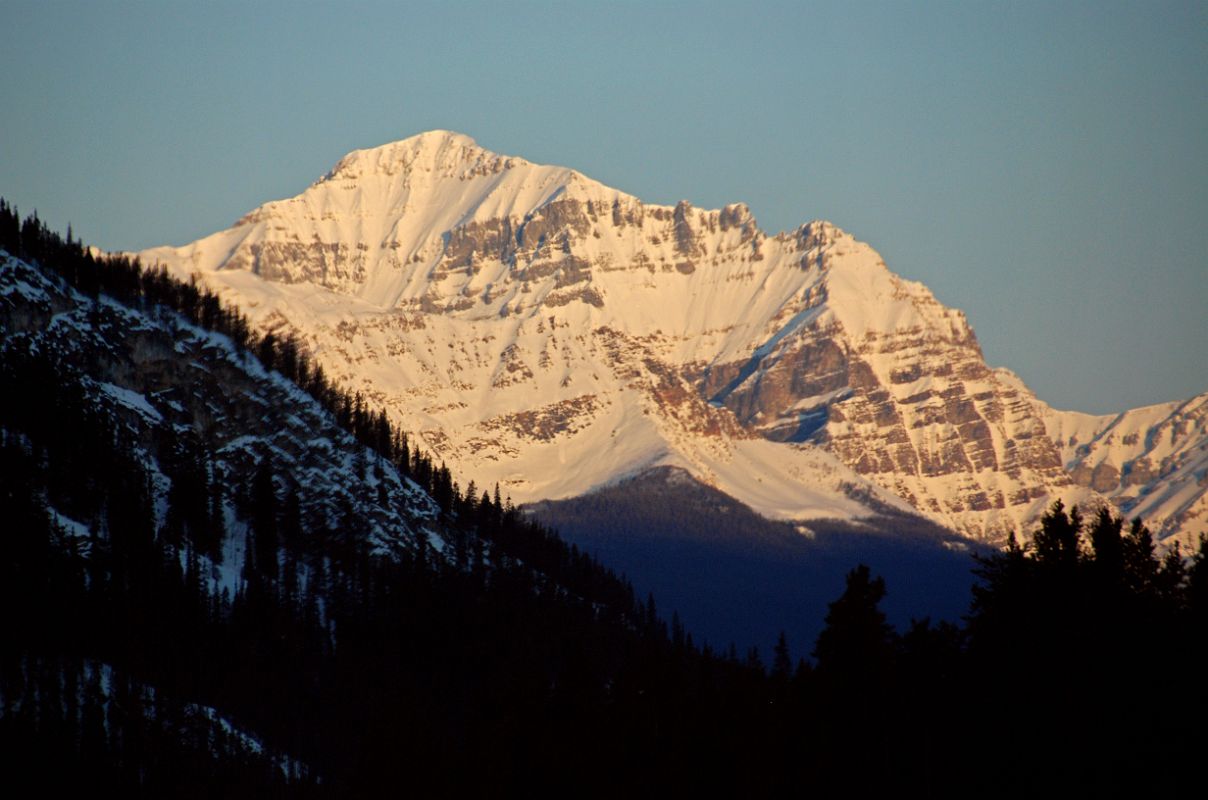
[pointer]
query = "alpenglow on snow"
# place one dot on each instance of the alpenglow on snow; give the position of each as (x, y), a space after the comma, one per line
(538, 329)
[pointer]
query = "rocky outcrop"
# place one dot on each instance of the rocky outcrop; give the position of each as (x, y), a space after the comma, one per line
(160, 380)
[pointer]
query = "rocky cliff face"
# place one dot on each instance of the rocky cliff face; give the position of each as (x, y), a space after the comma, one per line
(542, 330)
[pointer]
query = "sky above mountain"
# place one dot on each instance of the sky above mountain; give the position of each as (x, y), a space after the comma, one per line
(1043, 167)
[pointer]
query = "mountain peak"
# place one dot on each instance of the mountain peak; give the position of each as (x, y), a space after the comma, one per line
(445, 153)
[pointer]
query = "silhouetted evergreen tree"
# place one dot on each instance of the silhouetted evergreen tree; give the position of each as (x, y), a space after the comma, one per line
(263, 512)
(858, 642)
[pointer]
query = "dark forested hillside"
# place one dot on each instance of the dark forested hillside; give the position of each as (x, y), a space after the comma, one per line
(220, 575)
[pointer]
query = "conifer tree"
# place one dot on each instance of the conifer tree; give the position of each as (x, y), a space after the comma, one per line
(1107, 545)
(782, 663)
(857, 642)
(1139, 559)
(263, 501)
(1060, 536)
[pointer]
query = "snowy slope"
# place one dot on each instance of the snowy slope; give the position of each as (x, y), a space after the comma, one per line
(539, 329)
(1151, 462)
(155, 376)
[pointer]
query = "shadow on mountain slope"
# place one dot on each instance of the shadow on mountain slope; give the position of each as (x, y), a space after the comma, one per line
(734, 576)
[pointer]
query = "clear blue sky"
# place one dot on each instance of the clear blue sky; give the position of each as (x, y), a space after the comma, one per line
(1042, 166)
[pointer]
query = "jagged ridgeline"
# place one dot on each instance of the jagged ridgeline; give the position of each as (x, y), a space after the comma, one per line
(219, 574)
(537, 328)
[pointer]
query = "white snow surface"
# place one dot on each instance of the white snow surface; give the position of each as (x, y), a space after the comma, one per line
(132, 400)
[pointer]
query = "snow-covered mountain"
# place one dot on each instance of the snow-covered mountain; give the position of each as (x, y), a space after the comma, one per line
(542, 330)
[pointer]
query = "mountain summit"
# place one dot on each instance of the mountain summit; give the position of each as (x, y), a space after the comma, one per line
(544, 331)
